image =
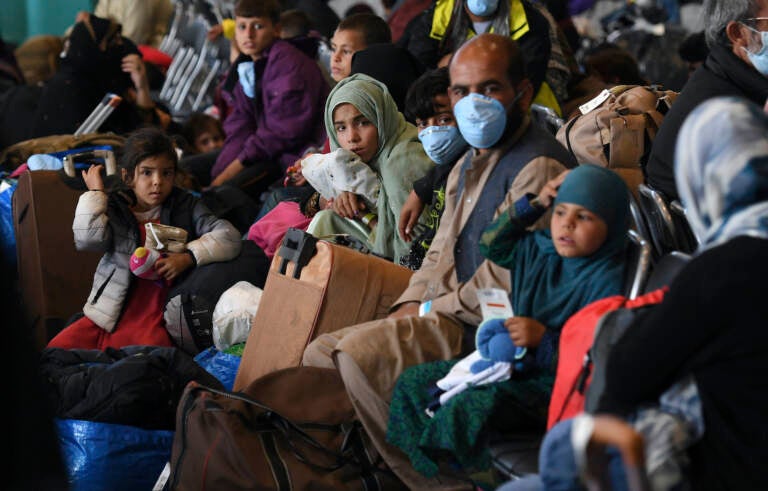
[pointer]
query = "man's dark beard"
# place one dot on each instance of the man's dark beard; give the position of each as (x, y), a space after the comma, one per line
(514, 120)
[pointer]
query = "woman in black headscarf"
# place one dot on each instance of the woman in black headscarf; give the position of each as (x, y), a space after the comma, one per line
(96, 60)
(391, 65)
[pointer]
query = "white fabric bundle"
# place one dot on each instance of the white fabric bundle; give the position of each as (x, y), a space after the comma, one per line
(338, 171)
(233, 314)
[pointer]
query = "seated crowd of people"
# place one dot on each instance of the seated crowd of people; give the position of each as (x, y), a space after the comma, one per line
(425, 149)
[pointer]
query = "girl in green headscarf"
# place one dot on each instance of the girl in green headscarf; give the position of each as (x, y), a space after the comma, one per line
(363, 123)
(554, 273)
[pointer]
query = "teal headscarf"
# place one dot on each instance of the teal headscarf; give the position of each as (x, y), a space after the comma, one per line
(399, 161)
(551, 288)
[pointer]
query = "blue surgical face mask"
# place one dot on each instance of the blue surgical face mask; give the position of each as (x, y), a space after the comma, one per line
(443, 144)
(481, 119)
(760, 59)
(482, 8)
(247, 78)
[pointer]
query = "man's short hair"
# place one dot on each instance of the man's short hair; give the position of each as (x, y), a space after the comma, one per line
(269, 9)
(295, 23)
(419, 100)
(720, 12)
(373, 28)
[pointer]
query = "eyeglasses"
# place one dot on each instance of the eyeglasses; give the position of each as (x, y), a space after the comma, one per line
(754, 19)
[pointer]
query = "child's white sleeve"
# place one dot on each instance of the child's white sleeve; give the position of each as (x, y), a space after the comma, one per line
(91, 224)
(341, 170)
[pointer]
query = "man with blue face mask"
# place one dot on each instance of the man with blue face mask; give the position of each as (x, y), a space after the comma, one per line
(737, 65)
(434, 319)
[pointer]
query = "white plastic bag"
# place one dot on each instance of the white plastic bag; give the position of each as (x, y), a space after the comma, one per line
(233, 314)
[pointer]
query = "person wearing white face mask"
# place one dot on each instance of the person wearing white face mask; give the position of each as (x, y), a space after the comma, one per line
(737, 65)
(432, 320)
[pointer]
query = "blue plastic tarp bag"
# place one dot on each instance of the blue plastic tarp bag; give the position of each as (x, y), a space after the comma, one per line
(7, 235)
(112, 457)
(221, 365)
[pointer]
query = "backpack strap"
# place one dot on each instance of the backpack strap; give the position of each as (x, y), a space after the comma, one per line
(568, 128)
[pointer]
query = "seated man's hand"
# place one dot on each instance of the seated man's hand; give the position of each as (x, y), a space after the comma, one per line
(228, 173)
(407, 309)
(409, 215)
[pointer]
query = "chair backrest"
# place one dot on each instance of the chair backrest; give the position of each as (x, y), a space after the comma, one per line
(687, 239)
(546, 117)
(661, 227)
(665, 270)
(638, 224)
(638, 265)
(190, 81)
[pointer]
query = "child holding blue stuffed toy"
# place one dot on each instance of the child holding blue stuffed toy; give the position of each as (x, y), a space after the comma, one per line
(444, 408)
(124, 308)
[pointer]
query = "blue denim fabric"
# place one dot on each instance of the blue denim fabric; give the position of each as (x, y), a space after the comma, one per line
(557, 464)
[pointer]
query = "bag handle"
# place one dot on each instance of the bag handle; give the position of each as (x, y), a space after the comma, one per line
(285, 426)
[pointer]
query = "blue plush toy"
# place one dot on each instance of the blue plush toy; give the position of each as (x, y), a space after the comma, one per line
(494, 344)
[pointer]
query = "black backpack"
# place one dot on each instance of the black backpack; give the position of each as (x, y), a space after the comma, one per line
(191, 301)
(135, 385)
(608, 332)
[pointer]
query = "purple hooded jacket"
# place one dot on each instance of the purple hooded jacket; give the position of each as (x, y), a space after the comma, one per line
(284, 118)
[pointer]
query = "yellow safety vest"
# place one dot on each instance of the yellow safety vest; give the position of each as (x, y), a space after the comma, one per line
(518, 27)
(518, 22)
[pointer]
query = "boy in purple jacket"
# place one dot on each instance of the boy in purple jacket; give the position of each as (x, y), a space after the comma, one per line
(278, 95)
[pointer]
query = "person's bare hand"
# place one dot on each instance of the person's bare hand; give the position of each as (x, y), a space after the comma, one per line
(348, 205)
(82, 15)
(610, 430)
(172, 264)
(92, 178)
(409, 215)
(294, 176)
(549, 192)
(408, 309)
(525, 331)
(228, 173)
(214, 32)
(134, 66)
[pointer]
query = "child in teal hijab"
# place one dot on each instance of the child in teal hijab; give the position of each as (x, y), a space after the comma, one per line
(362, 121)
(554, 273)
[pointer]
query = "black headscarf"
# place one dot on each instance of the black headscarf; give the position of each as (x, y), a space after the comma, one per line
(90, 68)
(391, 65)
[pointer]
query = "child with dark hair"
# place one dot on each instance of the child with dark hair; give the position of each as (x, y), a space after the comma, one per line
(277, 94)
(354, 33)
(123, 309)
(294, 23)
(429, 108)
(202, 133)
(613, 65)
